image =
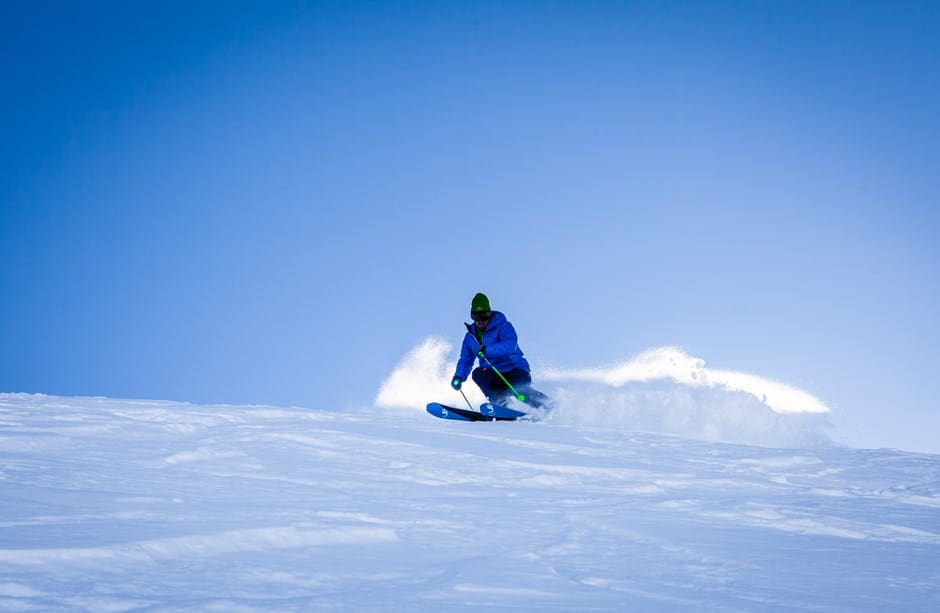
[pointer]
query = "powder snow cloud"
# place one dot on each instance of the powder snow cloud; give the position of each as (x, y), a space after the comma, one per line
(661, 390)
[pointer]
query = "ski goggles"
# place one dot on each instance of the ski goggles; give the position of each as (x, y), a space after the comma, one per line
(481, 315)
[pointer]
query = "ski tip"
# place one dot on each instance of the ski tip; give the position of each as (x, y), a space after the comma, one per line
(444, 412)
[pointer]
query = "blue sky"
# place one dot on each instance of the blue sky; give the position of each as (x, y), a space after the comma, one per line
(273, 202)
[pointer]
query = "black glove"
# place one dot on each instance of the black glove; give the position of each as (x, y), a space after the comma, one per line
(456, 383)
(482, 351)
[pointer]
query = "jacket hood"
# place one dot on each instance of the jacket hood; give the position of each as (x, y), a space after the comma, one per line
(497, 319)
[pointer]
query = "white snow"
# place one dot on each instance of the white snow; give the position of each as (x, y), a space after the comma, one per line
(118, 505)
(427, 368)
(662, 390)
(671, 363)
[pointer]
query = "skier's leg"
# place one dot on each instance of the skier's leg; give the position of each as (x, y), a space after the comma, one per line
(522, 381)
(490, 384)
(536, 399)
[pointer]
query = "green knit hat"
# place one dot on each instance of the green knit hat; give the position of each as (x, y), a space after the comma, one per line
(480, 303)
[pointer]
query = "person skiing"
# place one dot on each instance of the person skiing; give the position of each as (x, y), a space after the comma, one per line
(493, 340)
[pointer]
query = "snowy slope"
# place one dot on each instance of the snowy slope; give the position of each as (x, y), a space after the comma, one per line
(114, 505)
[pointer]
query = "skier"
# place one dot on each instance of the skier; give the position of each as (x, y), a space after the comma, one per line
(493, 339)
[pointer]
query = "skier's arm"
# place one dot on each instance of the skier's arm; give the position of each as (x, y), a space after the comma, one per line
(467, 355)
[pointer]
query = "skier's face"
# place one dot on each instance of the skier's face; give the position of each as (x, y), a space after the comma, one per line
(480, 320)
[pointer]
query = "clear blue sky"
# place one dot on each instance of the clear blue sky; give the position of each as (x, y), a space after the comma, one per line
(254, 202)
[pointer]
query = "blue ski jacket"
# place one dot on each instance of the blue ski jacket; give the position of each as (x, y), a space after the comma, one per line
(502, 347)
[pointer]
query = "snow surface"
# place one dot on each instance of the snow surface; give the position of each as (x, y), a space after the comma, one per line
(118, 505)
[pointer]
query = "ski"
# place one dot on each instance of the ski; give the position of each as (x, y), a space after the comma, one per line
(498, 410)
(445, 412)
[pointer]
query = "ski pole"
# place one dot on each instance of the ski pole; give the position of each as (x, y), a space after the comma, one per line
(468, 401)
(518, 395)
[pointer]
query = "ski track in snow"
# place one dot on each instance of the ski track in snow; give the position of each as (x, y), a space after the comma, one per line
(116, 505)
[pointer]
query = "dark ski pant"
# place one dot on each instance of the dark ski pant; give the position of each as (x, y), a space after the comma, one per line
(497, 392)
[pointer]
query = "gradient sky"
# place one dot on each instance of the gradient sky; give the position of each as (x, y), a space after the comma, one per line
(253, 202)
